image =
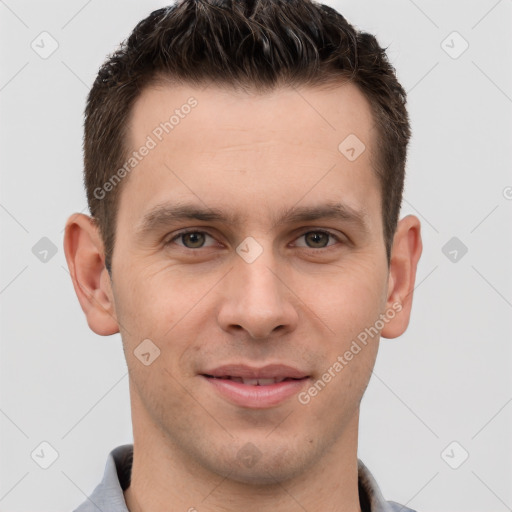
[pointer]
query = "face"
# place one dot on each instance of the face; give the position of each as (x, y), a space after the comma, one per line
(286, 265)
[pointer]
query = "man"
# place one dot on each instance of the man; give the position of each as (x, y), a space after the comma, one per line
(244, 167)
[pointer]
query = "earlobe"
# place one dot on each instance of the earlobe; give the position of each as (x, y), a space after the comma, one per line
(83, 248)
(405, 254)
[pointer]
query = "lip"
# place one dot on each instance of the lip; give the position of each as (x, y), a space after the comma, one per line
(255, 396)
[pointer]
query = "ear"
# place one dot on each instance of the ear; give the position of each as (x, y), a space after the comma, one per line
(84, 252)
(405, 254)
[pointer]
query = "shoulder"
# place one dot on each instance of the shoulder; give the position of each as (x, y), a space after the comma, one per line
(108, 494)
(396, 507)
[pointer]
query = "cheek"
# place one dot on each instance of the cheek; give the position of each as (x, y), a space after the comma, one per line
(349, 304)
(152, 299)
(165, 307)
(350, 300)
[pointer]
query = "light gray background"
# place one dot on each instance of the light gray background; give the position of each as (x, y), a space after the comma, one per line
(447, 379)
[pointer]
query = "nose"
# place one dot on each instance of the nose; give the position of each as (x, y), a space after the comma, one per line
(256, 299)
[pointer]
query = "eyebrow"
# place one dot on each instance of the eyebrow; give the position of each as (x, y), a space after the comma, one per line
(163, 215)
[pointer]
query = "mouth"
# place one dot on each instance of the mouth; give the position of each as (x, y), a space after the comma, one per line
(258, 388)
(254, 382)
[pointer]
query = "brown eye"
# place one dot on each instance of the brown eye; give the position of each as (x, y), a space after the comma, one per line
(317, 239)
(194, 239)
(191, 239)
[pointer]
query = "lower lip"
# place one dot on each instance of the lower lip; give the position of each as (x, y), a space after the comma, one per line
(256, 397)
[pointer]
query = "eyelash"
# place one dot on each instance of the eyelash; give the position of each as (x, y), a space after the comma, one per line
(185, 232)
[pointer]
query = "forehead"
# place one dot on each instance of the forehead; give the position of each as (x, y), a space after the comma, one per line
(326, 113)
(249, 150)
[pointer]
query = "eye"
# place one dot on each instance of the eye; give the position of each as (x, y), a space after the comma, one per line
(190, 239)
(193, 239)
(318, 239)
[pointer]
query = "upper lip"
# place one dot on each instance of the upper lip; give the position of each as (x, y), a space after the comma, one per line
(270, 371)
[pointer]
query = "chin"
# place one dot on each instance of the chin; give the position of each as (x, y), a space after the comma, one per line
(263, 465)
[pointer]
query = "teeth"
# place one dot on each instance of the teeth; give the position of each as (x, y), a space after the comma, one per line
(259, 382)
(254, 382)
(266, 382)
(250, 382)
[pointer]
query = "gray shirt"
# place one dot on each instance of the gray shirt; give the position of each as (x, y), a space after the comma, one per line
(108, 495)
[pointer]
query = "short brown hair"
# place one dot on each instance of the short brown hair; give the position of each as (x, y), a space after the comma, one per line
(256, 44)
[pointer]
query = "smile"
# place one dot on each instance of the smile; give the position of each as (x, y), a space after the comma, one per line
(256, 388)
(254, 382)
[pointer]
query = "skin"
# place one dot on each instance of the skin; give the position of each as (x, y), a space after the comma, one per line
(301, 302)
